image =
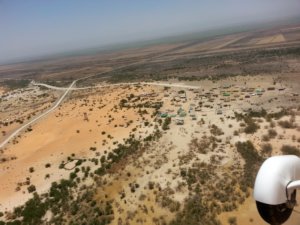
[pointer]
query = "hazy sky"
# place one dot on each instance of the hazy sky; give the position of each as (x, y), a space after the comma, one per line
(37, 27)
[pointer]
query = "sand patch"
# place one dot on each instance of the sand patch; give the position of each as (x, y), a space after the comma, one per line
(62, 133)
(271, 39)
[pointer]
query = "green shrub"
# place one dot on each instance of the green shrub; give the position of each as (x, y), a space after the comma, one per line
(34, 210)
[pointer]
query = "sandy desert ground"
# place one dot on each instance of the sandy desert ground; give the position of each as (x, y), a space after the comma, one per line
(77, 127)
(143, 153)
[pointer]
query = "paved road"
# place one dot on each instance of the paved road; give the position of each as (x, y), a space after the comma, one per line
(15, 133)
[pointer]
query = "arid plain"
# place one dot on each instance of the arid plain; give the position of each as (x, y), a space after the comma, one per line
(149, 135)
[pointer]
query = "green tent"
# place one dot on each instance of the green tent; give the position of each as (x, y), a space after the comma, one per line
(164, 115)
(181, 112)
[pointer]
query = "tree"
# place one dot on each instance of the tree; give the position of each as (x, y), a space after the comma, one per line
(31, 169)
(31, 188)
(232, 220)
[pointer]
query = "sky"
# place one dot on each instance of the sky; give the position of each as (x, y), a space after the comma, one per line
(32, 28)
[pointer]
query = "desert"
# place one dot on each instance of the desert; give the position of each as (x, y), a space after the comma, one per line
(163, 134)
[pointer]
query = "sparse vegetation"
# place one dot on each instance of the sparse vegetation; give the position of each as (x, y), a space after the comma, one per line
(31, 188)
(123, 173)
(286, 124)
(266, 149)
(16, 84)
(290, 150)
(166, 123)
(252, 163)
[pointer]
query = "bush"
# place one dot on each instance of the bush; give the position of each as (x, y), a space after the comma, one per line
(151, 185)
(286, 124)
(216, 130)
(265, 138)
(272, 133)
(31, 188)
(252, 161)
(261, 113)
(251, 127)
(166, 123)
(31, 169)
(33, 211)
(266, 149)
(73, 175)
(196, 211)
(16, 84)
(290, 150)
(232, 220)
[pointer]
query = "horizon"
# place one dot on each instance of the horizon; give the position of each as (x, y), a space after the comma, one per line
(26, 33)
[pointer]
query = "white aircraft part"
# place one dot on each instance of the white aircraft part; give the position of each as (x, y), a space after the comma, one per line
(273, 178)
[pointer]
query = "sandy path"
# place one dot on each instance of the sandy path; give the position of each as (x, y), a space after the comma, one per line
(59, 135)
(14, 134)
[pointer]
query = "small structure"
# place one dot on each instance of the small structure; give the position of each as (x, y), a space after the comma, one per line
(164, 115)
(259, 93)
(179, 121)
(181, 112)
(182, 94)
(85, 117)
(259, 90)
(243, 89)
(225, 86)
(148, 95)
(198, 109)
(193, 116)
(219, 112)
